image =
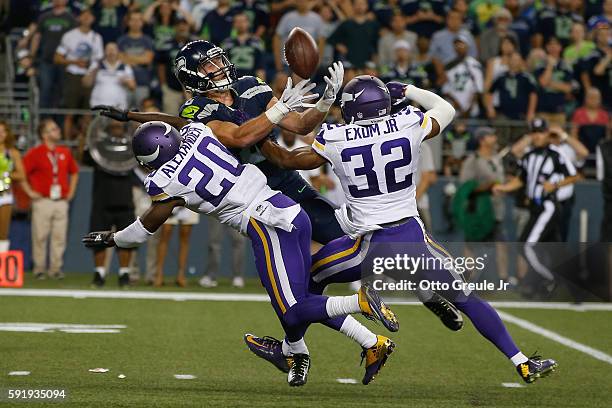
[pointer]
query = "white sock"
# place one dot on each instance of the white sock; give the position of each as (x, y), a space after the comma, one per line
(125, 269)
(5, 245)
(358, 332)
(518, 358)
(298, 347)
(101, 270)
(342, 305)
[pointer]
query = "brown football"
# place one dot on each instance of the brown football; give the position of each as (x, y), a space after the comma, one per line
(301, 53)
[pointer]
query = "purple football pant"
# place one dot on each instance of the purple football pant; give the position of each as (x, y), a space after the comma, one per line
(283, 263)
(340, 261)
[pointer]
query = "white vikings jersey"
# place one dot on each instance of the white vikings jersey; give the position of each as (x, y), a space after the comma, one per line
(210, 179)
(376, 165)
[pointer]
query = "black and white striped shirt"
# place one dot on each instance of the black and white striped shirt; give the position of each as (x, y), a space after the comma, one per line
(540, 165)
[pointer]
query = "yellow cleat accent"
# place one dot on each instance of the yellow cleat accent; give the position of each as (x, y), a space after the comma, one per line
(376, 357)
(364, 305)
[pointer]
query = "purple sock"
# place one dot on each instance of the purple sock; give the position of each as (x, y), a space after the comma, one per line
(487, 322)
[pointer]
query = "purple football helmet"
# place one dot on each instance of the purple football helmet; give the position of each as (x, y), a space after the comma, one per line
(365, 100)
(154, 143)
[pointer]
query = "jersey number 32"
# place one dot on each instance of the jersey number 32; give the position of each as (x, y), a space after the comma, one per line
(372, 175)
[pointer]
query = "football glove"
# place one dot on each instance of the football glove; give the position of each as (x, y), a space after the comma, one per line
(334, 83)
(112, 112)
(99, 239)
(293, 98)
(397, 91)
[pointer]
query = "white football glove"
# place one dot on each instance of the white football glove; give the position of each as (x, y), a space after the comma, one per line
(334, 83)
(293, 98)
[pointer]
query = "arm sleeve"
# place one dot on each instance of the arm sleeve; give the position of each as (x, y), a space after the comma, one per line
(566, 167)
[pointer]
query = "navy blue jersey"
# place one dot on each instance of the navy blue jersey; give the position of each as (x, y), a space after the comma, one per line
(251, 98)
(514, 91)
(549, 100)
(247, 55)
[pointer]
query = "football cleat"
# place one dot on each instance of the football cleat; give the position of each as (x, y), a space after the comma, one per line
(98, 281)
(270, 349)
(445, 310)
(536, 368)
(124, 280)
(376, 357)
(298, 371)
(373, 307)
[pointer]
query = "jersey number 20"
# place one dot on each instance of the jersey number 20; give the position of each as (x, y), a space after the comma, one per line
(367, 170)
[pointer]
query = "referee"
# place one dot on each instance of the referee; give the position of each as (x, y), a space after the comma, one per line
(543, 169)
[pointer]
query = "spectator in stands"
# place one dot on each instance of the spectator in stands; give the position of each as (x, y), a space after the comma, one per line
(332, 16)
(432, 65)
(244, 49)
(555, 84)
(112, 207)
(185, 219)
(52, 176)
(109, 18)
(11, 171)
(486, 168)
(517, 92)
(522, 23)
(163, 15)
(384, 10)
(257, 13)
(579, 47)
(302, 17)
(456, 141)
(498, 65)
(136, 50)
(465, 83)
(386, 44)
(442, 42)
(405, 69)
(217, 24)
(424, 16)
(45, 36)
(484, 10)
(491, 38)
(23, 72)
(424, 179)
(111, 80)
(596, 68)
(590, 122)
(78, 49)
(172, 91)
(356, 38)
(555, 21)
(605, 16)
(216, 235)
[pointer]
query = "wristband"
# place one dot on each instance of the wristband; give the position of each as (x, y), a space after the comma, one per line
(323, 105)
(277, 112)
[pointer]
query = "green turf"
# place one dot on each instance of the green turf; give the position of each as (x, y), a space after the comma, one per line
(431, 367)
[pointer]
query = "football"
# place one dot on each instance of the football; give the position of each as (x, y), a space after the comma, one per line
(301, 53)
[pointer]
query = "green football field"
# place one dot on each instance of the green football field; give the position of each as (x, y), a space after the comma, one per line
(158, 338)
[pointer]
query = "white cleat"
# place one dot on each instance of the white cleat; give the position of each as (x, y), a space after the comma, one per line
(207, 282)
(238, 282)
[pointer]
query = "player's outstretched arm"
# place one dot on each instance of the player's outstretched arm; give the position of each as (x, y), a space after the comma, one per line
(141, 117)
(305, 122)
(440, 111)
(254, 130)
(137, 232)
(303, 158)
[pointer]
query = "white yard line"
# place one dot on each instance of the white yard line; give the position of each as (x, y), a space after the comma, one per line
(551, 335)
(254, 297)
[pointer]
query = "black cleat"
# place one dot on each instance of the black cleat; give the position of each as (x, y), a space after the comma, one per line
(124, 280)
(536, 368)
(98, 280)
(298, 371)
(445, 310)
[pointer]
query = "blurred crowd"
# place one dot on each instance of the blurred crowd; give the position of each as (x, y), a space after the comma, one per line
(505, 62)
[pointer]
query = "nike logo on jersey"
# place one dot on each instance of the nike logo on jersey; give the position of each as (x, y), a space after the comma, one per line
(302, 189)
